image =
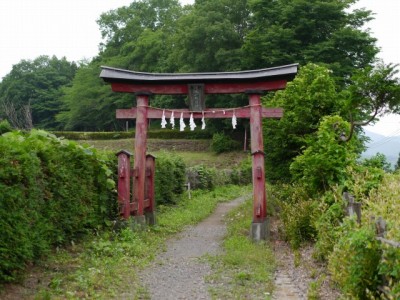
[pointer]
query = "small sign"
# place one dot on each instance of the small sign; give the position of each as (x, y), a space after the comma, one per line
(196, 97)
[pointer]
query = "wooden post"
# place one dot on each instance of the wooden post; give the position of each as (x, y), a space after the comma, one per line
(259, 226)
(124, 171)
(139, 169)
(150, 192)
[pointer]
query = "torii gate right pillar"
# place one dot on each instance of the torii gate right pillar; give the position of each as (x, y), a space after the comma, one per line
(259, 226)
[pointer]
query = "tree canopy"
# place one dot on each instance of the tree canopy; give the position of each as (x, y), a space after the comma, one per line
(226, 35)
(35, 86)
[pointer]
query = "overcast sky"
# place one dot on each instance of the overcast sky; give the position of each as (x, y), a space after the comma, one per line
(29, 28)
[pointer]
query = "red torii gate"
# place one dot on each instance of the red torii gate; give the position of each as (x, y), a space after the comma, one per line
(253, 83)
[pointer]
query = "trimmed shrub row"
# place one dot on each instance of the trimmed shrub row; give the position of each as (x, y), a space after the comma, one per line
(51, 192)
(152, 134)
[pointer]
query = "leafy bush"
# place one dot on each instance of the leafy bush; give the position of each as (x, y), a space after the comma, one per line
(51, 192)
(201, 177)
(297, 212)
(243, 174)
(223, 143)
(169, 178)
(324, 161)
(5, 127)
(298, 227)
(327, 226)
(354, 260)
(384, 202)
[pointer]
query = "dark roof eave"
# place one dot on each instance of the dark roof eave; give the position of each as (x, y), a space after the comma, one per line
(287, 72)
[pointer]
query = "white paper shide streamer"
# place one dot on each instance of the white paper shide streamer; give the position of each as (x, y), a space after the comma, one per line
(203, 122)
(182, 123)
(191, 122)
(172, 120)
(163, 120)
(234, 120)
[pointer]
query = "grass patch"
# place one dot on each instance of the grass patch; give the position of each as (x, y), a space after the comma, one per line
(193, 152)
(245, 268)
(105, 265)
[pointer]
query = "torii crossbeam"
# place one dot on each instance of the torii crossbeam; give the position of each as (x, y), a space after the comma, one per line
(254, 83)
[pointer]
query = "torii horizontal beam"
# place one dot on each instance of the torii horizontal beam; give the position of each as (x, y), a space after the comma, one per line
(209, 88)
(270, 79)
(216, 113)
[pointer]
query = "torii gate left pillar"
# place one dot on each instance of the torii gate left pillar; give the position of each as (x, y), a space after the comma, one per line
(253, 83)
(139, 167)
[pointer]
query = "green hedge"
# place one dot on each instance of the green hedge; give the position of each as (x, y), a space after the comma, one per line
(51, 192)
(169, 178)
(152, 134)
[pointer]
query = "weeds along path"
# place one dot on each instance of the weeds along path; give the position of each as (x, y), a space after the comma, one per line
(179, 272)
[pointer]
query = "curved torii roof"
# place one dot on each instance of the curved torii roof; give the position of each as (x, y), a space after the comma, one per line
(215, 82)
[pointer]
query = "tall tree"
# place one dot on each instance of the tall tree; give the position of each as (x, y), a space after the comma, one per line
(319, 31)
(373, 92)
(309, 97)
(37, 85)
(210, 36)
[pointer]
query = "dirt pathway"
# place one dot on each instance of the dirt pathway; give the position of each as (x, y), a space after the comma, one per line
(295, 274)
(179, 272)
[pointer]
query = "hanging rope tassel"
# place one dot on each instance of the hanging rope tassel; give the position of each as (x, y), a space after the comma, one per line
(172, 120)
(203, 123)
(234, 120)
(163, 120)
(191, 122)
(182, 123)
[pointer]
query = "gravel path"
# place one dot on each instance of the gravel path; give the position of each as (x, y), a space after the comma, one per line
(179, 272)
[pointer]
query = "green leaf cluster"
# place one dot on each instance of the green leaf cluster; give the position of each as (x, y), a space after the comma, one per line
(170, 178)
(354, 260)
(51, 192)
(38, 86)
(324, 162)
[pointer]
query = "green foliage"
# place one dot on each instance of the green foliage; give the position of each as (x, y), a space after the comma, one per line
(309, 97)
(327, 226)
(35, 85)
(302, 31)
(51, 192)
(383, 202)
(373, 92)
(363, 180)
(297, 212)
(243, 174)
(223, 143)
(202, 177)
(5, 127)
(378, 161)
(225, 35)
(88, 104)
(209, 37)
(323, 163)
(354, 260)
(298, 227)
(169, 178)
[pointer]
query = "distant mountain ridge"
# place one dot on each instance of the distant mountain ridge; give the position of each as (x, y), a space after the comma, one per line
(387, 145)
